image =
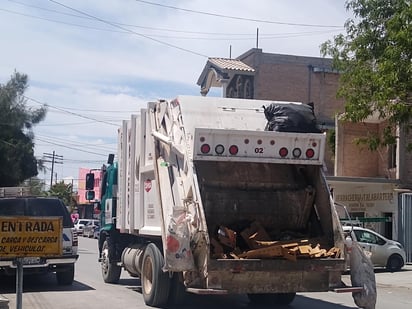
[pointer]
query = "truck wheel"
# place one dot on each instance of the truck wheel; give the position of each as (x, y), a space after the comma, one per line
(155, 282)
(110, 270)
(177, 293)
(66, 277)
(395, 263)
(275, 298)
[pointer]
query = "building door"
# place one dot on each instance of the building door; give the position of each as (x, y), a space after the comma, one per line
(405, 224)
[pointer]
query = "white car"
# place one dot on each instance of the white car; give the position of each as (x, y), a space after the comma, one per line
(384, 252)
(79, 225)
(88, 229)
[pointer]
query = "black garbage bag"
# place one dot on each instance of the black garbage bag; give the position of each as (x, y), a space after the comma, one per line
(290, 118)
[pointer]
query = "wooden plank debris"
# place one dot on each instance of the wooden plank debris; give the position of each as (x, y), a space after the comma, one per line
(259, 246)
(254, 235)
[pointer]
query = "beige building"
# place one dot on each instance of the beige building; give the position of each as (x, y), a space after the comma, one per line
(374, 186)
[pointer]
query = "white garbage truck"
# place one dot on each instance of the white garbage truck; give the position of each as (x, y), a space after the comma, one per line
(203, 197)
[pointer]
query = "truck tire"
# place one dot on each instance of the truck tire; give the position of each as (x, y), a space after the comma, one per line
(110, 270)
(275, 298)
(65, 277)
(395, 263)
(155, 282)
(177, 293)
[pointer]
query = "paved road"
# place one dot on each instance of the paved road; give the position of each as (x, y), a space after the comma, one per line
(89, 291)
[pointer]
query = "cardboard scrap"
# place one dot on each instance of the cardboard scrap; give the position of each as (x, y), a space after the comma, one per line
(227, 237)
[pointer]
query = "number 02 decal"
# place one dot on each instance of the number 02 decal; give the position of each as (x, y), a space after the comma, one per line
(258, 150)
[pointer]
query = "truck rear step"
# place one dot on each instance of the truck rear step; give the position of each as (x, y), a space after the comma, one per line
(349, 289)
(207, 291)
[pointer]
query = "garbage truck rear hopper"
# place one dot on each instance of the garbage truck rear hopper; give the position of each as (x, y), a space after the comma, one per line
(202, 199)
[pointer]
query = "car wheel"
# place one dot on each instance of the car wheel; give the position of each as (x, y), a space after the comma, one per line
(155, 282)
(66, 277)
(395, 263)
(110, 270)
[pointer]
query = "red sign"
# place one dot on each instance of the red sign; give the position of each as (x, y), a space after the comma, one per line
(148, 185)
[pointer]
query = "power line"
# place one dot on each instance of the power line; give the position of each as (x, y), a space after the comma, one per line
(93, 146)
(63, 124)
(69, 112)
(82, 161)
(143, 27)
(107, 118)
(100, 110)
(71, 147)
(237, 17)
(128, 30)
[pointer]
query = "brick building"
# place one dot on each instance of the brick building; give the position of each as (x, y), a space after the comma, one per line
(375, 186)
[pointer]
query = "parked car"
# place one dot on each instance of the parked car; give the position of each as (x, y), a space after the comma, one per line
(88, 229)
(79, 225)
(384, 252)
(61, 264)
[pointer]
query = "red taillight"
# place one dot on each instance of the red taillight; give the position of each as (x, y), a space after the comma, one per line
(310, 153)
(233, 150)
(283, 152)
(296, 152)
(205, 148)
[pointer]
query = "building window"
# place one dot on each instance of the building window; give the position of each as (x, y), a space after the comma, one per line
(392, 156)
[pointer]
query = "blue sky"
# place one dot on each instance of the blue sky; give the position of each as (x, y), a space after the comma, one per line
(96, 62)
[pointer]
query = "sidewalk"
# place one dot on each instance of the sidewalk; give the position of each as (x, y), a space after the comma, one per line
(4, 302)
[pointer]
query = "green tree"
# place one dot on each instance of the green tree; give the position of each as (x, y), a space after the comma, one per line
(17, 160)
(64, 192)
(374, 58)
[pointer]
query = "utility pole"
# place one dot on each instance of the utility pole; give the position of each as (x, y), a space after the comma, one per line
(53, 159)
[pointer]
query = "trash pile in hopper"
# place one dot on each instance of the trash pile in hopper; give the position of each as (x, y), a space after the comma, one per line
(256, 244)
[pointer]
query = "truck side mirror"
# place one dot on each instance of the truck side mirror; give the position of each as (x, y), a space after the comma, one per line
(89, 181)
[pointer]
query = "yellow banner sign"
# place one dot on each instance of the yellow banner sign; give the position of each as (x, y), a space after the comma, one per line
(30, 236)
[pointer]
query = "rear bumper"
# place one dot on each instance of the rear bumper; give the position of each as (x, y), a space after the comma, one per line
(43, 263)
(275, 276)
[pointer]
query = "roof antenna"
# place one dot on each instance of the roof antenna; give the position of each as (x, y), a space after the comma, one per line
(230, 51)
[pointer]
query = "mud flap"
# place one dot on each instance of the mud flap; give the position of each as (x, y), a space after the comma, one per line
(362, 275)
